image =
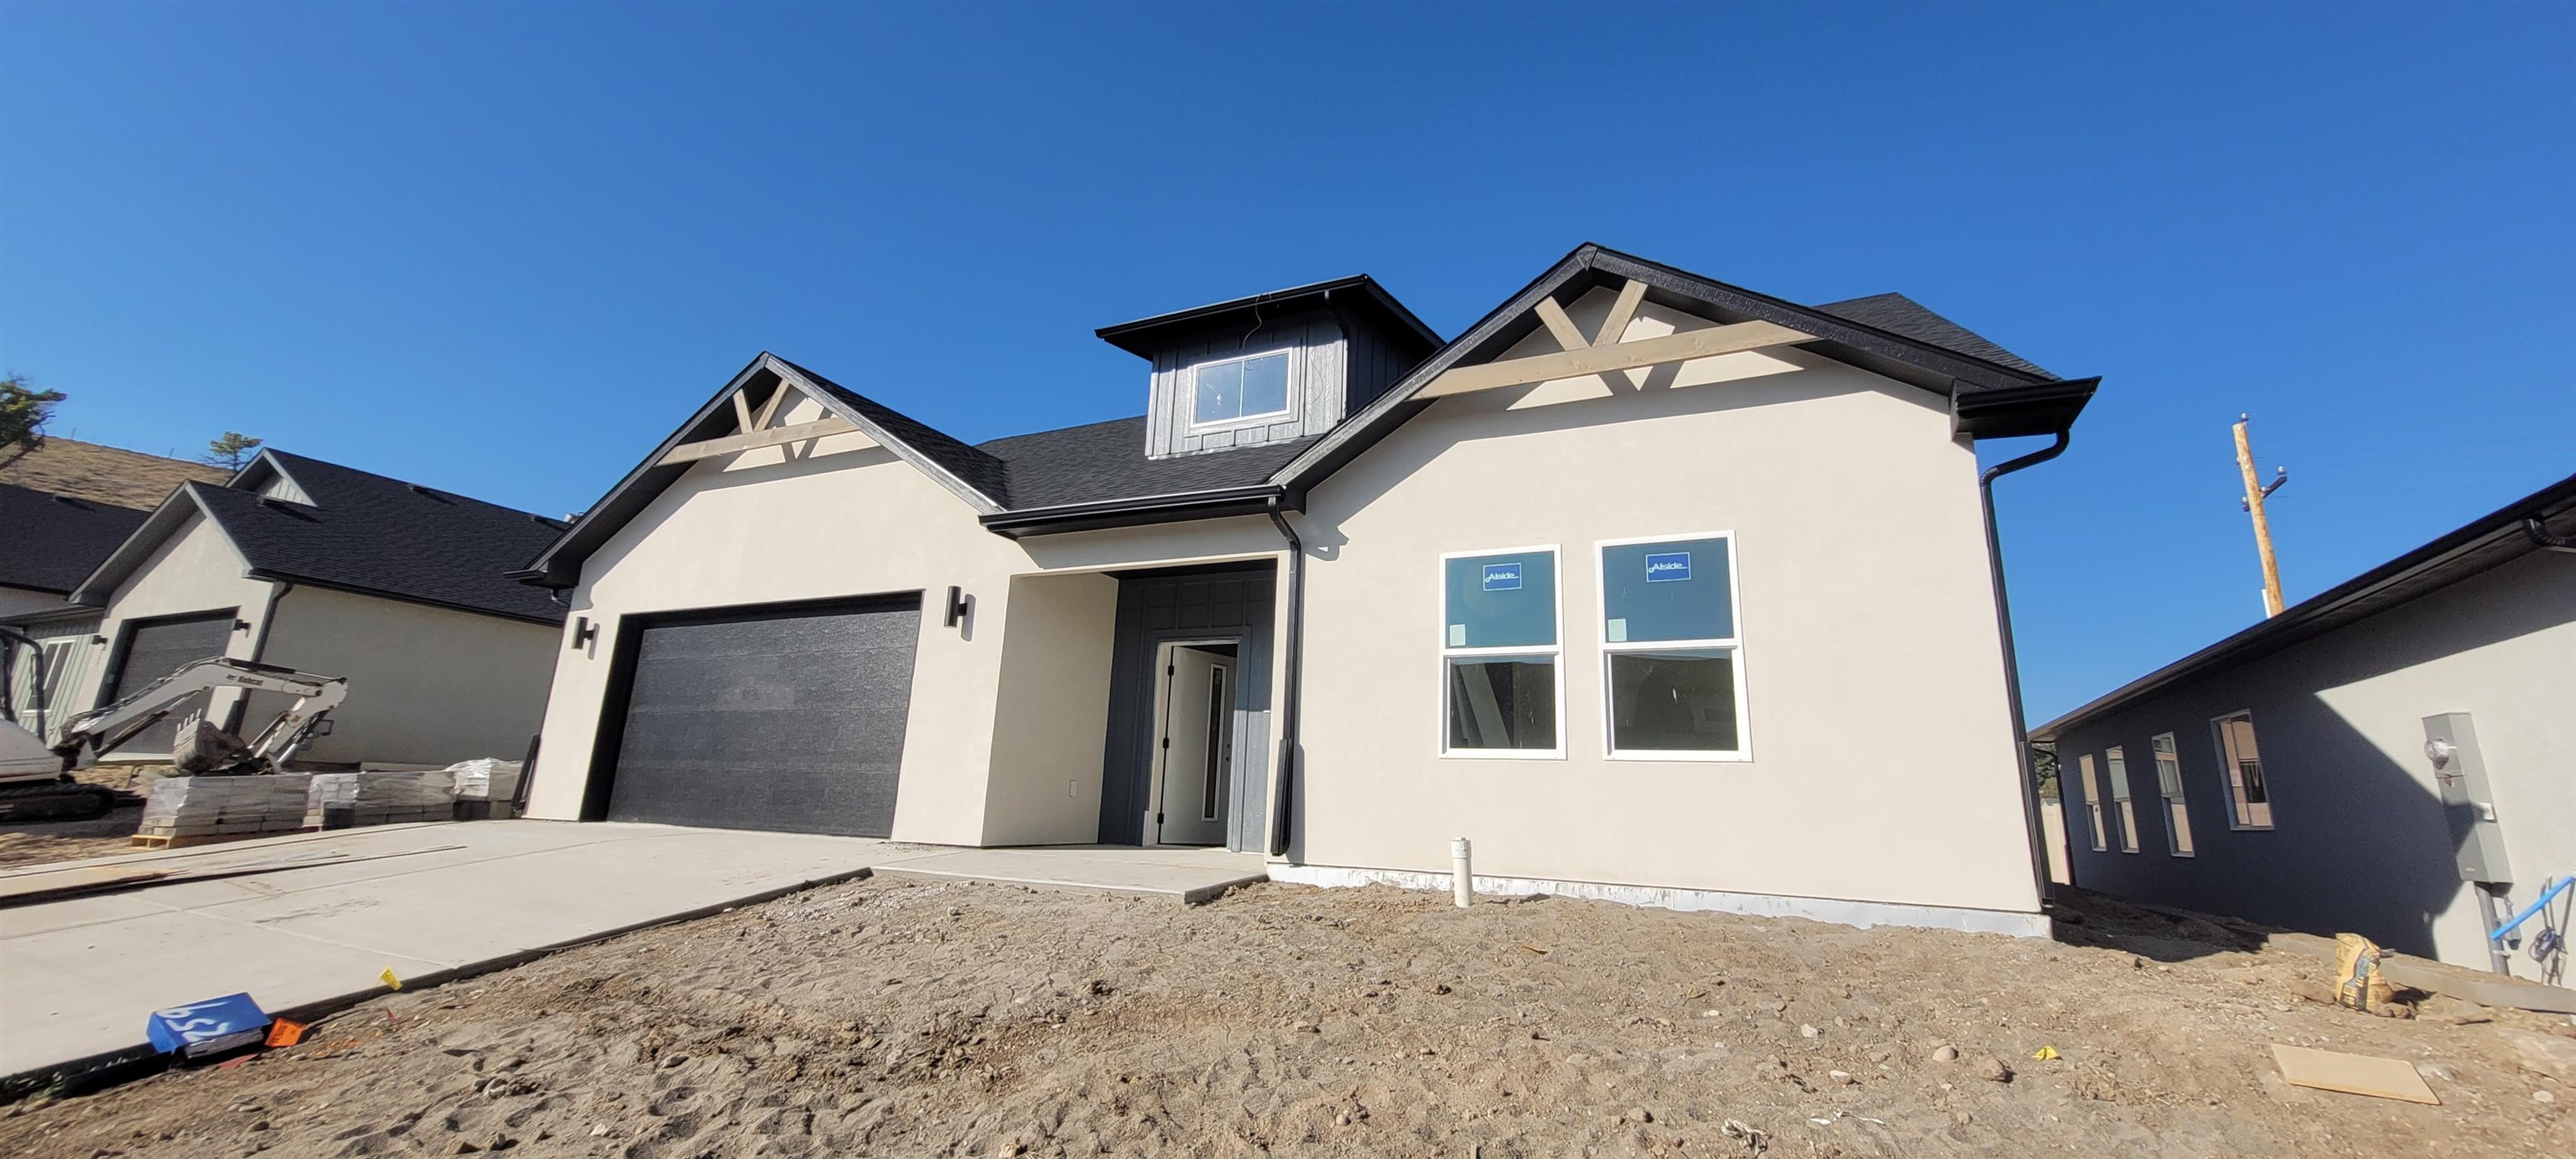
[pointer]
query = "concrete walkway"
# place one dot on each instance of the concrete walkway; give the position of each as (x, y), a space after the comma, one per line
(1190, 876)
(79, 975)
(310, 921)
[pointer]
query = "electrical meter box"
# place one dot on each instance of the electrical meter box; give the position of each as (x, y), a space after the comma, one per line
(2460, 771)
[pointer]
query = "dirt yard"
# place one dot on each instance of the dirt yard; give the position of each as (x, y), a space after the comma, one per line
(878, 1018)
(36, 842)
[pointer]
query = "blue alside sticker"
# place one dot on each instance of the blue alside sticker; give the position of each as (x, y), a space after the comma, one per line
(1665, 567)
(1503, 577)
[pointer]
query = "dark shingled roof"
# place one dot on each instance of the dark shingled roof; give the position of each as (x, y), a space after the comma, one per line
(1099, 461)
(383, 536)
(50, 543)
(971, 466)
(1898, 314)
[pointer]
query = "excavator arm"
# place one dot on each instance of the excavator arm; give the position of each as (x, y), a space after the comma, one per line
(36, 781)
(92, 734)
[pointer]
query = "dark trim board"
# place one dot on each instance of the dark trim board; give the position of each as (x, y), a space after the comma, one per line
(628, 638)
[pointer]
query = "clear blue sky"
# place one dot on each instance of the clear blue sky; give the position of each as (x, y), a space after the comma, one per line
(502, 249)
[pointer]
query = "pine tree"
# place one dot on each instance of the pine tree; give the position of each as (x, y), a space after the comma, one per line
(231, 451)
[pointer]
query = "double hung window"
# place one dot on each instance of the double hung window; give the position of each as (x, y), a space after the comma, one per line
(1672, 661)
(1502, 694)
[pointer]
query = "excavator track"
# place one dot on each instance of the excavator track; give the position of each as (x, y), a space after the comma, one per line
(63, 800)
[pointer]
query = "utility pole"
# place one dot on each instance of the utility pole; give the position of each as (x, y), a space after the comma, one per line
(2255, 492)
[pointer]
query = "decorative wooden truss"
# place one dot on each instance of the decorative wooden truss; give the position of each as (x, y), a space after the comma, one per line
(1603, 353)
(754, 429)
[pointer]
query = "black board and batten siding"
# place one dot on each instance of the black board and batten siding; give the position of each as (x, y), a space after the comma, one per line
(1315, 384)
(1158, 607)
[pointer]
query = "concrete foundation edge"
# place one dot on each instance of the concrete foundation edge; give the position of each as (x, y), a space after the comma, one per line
(27, 1081)
(1860, 914)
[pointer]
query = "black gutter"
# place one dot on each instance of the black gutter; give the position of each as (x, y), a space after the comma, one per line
(1285, 772)
(1252, 500)
(2012, 658)
(262, 573)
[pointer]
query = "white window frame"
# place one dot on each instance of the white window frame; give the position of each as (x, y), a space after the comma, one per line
(2115, 765)
(2171, 789)
(1188, 388)
(2098, 834)
(2239, 810)
(1743, 751)
(1554, 652)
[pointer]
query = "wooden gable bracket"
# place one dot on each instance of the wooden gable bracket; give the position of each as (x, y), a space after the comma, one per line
(755, 431)
(1603, 353)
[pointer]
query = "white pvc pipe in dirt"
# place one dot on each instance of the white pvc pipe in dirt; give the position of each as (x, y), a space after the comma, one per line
(1462, 881)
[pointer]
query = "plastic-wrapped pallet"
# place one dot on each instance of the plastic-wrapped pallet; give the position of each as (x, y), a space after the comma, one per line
(343, 800)
(485, 788)
(225, 806)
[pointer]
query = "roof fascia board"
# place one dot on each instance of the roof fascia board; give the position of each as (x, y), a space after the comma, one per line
(273, 576)
(640, 486)
(1303, 469)
(1828, 327)
(2498, 528)
(1178, 507)
(1403, 315)
(982, 503)
(1892, 356)
(156, 529)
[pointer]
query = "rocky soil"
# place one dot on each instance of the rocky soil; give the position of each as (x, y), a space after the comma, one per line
(881, 1018)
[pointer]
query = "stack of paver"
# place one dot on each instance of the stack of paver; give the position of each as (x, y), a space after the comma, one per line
(485, 788)
(186, 810)
(345, 800)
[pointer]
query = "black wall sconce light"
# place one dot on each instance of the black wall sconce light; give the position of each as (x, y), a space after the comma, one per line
(583, 632)
(956, 607)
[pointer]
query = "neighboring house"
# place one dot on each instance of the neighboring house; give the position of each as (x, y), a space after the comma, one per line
(309, 565)
(101, 474)
(48, 544)
(2286, 773)
(1699, 614)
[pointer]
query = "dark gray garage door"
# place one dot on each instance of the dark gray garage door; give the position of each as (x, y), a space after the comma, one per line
(768, 720)
(156, 648)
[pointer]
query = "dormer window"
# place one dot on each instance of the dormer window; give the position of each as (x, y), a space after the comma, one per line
(1237, 390)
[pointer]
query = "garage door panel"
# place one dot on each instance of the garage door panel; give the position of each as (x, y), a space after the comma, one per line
(156, 649)
(768, 721)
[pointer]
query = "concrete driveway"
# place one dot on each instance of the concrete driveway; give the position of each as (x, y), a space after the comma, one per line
(317, 917)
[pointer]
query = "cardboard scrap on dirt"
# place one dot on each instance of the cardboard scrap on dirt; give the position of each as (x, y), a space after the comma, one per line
(2352, 1074)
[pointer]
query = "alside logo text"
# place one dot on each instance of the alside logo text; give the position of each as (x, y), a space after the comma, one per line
(1665, 567)
(1503, 577)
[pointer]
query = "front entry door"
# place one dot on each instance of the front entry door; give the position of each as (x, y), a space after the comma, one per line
(1197, 746)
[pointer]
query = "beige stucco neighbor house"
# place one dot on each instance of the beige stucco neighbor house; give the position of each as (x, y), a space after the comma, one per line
(2395, 757)
(314, 566)
(1654, 588)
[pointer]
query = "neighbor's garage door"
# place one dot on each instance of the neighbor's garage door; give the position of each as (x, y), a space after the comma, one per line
(768, 720)
(156, 648)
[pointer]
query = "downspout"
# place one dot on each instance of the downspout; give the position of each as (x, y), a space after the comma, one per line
(2541, 538)
(2012, 658)
(1285, 772)
(258, 651)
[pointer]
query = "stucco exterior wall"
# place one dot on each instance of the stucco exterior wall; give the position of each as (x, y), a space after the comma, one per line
(1053, 711)
(196, 570)
(1881, 765)
(843, 518)
(426, 685)
(2359, 839)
